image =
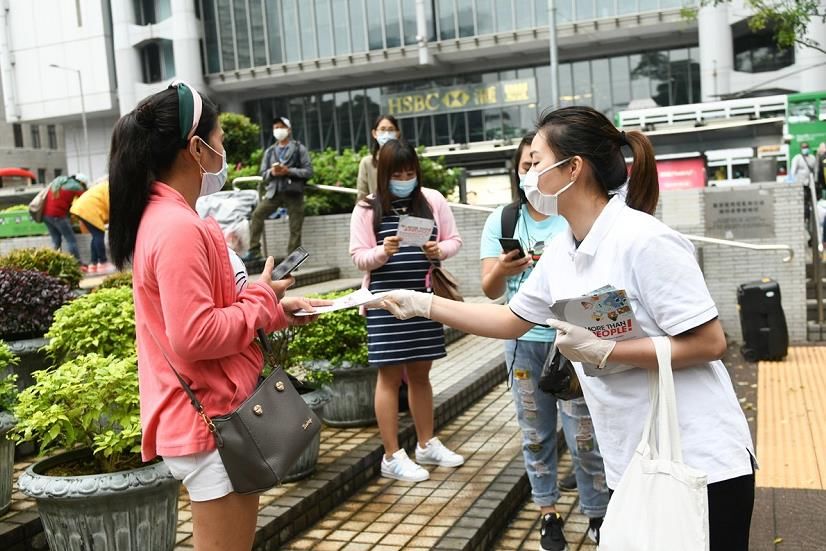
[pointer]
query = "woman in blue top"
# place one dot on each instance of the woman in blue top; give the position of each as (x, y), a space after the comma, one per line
(504, 273)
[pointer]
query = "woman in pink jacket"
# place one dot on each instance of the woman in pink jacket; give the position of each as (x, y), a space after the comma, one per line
(393, 345)
(188, 303)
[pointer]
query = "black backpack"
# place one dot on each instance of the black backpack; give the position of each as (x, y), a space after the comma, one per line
(510, 214)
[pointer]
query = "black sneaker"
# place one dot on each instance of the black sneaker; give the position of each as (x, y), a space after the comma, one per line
(551, 537)
(594, 525)
(568, 483)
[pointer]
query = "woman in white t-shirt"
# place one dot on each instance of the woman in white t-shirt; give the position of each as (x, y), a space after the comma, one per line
(578, 168)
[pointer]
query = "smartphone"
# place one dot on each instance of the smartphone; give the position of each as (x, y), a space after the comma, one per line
(293, 261)
(509, 244)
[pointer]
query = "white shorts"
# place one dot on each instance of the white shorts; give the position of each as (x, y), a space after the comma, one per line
(202, 473)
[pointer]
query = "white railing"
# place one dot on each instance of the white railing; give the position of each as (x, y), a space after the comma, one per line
(700, 113)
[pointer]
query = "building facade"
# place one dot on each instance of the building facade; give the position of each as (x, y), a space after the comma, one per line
(464, 77)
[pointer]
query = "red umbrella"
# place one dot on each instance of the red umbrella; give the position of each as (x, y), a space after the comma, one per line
(17, 172)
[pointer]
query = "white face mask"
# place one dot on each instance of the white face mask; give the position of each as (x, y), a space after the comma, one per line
(213, 182)
(384, 137)
(544, 204)
(280, 134)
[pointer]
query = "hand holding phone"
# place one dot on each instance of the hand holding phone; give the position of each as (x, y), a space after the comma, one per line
(509, 244)
(293, 261)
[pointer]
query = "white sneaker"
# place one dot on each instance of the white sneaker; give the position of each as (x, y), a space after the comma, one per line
(403, 468)
(435, 453)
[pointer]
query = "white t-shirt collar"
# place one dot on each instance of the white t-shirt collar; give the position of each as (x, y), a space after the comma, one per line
(602, 226)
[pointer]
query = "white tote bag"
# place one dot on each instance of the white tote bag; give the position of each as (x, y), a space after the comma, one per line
(660, 503)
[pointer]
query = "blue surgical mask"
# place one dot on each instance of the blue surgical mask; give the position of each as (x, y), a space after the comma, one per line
(384, 137)
(403, 188)
(805, 151)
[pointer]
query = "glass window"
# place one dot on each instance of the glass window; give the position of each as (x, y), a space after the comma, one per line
(624, 8)
(167, 59)
(359, 115)
(694, 74)
(604, 8)
(424, 131)
(344, 122)
(601, 85)
(18, 134)
(620, 82)
(274, 32)
(464, 16)
(392, 24)
(35, 136)
(484, 16)
(58, 172)
(543, 87)
(458, 128)
(292, 39)
(306, 24)
(504, 16)
(648, 5)
(409, 23)
(408, 130)
(640, 82)
(41, 175)
(227, 36)
(512, 123)
(213, 52)
(583, 95)
(52, 131)
(679, 76)
(441, 124)
(259, 46)
(566, 85)
(242, 35)
(324, 28)
(476, 126)
(374, 24)
(328, 121)
(758, 52)
(447, 23)
(584, 9)
(666, 4)
(358, 28)
(341, 30)
(564, 11)
(524, 15)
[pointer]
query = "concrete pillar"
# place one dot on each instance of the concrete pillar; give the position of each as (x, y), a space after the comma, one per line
(716, 51)
(814, 79)
(127, 58)
(185, 44)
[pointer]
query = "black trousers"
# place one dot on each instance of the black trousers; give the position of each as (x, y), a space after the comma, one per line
(730, 504)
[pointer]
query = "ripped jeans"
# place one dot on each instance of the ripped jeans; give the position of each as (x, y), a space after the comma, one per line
(536, 412)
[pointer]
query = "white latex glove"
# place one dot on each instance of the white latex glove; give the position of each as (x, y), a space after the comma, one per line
(580, 345)
(405, 304)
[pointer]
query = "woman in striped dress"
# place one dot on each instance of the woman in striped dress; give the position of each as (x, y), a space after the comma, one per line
(397, 346)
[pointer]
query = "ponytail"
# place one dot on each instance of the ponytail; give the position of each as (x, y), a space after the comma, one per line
(584, 131)
(643, 183)
(145, 144)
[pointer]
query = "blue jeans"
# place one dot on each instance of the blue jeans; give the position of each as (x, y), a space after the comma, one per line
(60, 228)
(536, 413)
(98, 245)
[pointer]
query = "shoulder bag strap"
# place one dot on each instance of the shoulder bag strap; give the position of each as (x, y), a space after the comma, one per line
(509, 214)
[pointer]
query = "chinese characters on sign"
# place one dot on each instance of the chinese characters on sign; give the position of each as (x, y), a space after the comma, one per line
(464, 97)
(739, 214)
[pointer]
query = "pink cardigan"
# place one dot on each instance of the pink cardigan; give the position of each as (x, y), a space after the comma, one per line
(368, 255)
(185, 297)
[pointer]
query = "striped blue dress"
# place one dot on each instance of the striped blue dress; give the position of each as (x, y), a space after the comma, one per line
(391, 341)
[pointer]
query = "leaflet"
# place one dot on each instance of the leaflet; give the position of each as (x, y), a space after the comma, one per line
(607, 313)
(353, 300)
(414, 230)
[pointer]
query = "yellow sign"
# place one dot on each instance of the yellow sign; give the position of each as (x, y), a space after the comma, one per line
(461, 98)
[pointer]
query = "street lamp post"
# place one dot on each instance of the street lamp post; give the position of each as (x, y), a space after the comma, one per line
(554, 54)
(82, 114)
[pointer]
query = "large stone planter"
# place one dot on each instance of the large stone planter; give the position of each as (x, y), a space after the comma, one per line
(306, 463)
(132, 510)
(6, 461)
(351, 397)
(32, 358)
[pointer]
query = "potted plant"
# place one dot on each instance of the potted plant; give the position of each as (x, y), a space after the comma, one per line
(8, 398)
(119, 279)
(28, 301)
(49, 261)
(335, 348)
(98, 495)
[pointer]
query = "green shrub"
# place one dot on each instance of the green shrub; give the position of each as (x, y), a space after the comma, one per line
(49, 261)
(338, 337)
(120, 279)
(8, 380)
(241, 137)
(102, 322)
(16, 208)
(28, 301)
(90, 401)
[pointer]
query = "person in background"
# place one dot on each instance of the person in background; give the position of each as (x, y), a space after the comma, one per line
(396, 346)
(804, 165)
(536, 410)
(820, 179)
(285, 167)
(385, 128)
(578, 167)
(63, 190)
(190, 304)
(92, 209)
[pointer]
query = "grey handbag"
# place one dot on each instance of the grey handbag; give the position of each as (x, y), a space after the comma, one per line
(262, 439)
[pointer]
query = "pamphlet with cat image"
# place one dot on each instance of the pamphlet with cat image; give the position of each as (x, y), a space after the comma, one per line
(607, 313)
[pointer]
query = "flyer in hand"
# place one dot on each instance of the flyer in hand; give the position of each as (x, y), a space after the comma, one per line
(353, 300)
(606, 312)
(414, 230)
